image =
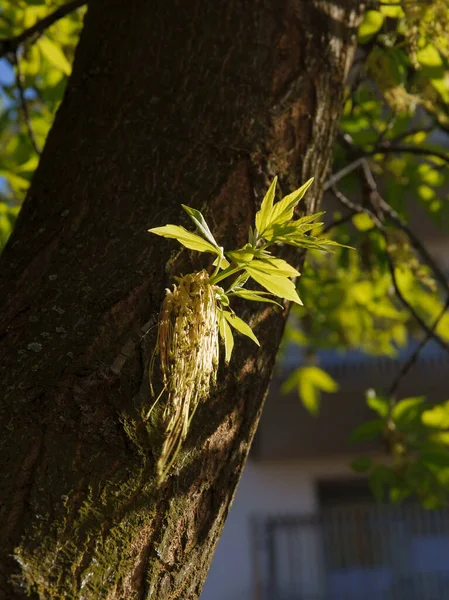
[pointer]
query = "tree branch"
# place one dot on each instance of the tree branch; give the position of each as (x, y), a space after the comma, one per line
(10, 45)
(380, 226)
(23, 103)
(401, 224)
(337, 223)
(391, 149)
(408, 364)
(412, 131)
(430, 332)
(333, 179)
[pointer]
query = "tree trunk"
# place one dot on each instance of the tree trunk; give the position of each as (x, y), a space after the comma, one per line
(169, 102)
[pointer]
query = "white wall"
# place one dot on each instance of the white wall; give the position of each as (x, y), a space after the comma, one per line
(266, 489)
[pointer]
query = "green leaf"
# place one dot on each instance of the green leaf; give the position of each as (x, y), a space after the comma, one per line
(54, 54)
(395, 11)
(254, 296)
(310, 382)
(226, 335)
(275, 266)
(288, 234)
(224, 264)
(262, 217)
(435, 458)
(437, 416)
(406, 411)
(308, 393)
(362, 464)
(240, 282)
(378, 403)
(320, 379)
(240, 326)
(363, 222)
(201, 224)
(221, 296)
(371, 24)
(291, 382)
(368, 431)
(293, 228)
(245, 254)
(399, 494)
(282, 211)
(429, 57)
(278, 286)
(15, 181)
(184, 237)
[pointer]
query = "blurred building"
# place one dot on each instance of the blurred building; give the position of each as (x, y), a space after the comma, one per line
(302, 525)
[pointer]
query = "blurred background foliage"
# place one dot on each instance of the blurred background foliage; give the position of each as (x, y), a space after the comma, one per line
(33, 77)
(391, 155)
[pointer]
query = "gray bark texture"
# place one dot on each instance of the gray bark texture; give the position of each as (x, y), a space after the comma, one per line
(170, 102)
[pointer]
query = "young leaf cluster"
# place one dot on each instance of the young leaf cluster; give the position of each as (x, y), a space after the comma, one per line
(274, 224)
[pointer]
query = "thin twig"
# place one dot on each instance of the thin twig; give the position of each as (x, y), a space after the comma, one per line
(419, 247)
(401, 224)
(24, 104)
(11, 44)
(391, 121)
(387, 149)
(333, 179)
(411, 131)
(357, 208)
(380, 226)
(337, 223)
(380, 205)
(416, 243)
(408, 364)
(429, 330)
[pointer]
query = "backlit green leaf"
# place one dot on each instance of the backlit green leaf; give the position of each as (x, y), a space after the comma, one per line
(184, 237)
(245, 254)
(240, 326)
(371, 24)
(437, 416)
(254, 296)
(224, 264)
(275, 266)
(406, 411)
(429, 57)
(363, 222)
(282, 211)
(394, 11)
(310, 381)
(263, 216)
(378, 403)
(226, 335)
(54, 54)
(278, 286)
(201, 224)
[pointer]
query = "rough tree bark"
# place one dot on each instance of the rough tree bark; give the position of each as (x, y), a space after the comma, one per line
(169, 102)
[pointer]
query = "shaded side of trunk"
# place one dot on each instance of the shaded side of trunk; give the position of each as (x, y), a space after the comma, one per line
(169, 102)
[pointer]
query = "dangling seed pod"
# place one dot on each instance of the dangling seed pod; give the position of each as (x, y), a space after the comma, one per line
(188, 349)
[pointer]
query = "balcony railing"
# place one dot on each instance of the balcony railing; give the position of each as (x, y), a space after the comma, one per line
(360, 552)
